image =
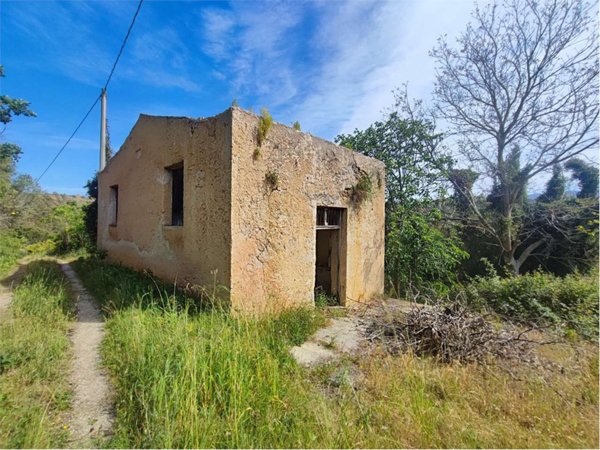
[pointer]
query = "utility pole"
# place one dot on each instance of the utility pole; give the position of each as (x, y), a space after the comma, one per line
(103, 129)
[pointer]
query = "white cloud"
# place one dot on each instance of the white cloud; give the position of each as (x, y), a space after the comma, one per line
(341, 74)
(372, 51)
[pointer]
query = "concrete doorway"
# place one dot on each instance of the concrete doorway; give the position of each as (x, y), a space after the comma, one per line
(329, 255)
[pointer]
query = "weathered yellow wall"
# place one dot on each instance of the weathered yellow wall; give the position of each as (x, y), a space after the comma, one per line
(143, 238)
(273, 246)
(259, 242)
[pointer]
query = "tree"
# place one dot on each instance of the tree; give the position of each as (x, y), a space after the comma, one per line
(90, 211)
(10, 107)
(587, 176)
(14, 192)
(569, 229)
(555, 188)
(418, 252)
(524, 76)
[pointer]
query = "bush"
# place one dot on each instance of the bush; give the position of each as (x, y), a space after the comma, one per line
(10, 251)
(540, 298)
(46, 247)
(418, 255)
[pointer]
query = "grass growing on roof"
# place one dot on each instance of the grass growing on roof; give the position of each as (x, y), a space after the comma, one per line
(34, 361)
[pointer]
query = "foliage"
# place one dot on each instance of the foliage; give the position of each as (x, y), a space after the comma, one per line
(272, 180)
(569, 230)
(400, 141)
(541, 298)
(41, 248)
(10, 107)
(418, 249)
(35, 361)
(587, 176)
(265, 122)
(10, 251)
(296, 126)
(322, 299)
(555, 187)
(512, 91)
(363, 189)
(90, 212)
(418, 255)
(68, 223)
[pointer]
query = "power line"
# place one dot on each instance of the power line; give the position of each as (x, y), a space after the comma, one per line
(69, 140)
(137, 11)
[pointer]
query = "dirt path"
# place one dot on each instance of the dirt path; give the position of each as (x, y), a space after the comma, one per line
(7, 284)
(92, 413)
(5, 299)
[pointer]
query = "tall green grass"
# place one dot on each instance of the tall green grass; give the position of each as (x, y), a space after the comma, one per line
(204, 379)
(34, 361)
(188, 377)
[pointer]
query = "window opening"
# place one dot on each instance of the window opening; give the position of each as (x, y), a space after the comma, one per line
(177, 195)
(114, 204)
(329, 218)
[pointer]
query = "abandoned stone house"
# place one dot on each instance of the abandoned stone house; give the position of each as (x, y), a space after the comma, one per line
(201, 201)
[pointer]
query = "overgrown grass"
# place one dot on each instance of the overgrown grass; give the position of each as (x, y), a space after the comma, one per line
(208, 379)
(34, 361)
(414, 402)
(543, 298)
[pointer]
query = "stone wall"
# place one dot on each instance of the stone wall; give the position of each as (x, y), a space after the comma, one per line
(273, 227)
(197, 252)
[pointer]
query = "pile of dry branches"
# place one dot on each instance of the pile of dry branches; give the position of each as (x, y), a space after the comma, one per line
(450, 333)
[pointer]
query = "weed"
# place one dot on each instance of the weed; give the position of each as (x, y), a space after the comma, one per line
(322, 299)
(234, 103)
(296, 126)
(257, 153)
(542, 298)
(272, 180)
(265, 122)
(363, 189)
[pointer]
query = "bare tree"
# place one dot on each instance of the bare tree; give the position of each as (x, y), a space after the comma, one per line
(521, 93)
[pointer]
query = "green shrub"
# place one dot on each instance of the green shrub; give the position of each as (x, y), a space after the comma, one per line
(10, 251)
(541, 298)
(419, 257)
(46, 247)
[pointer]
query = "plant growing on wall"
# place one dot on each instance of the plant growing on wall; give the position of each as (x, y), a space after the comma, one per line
(363, 188)
(264, 125)
(272, 180)
(296, 126)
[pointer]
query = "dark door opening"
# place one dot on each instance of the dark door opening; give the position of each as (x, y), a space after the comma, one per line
(328, 261)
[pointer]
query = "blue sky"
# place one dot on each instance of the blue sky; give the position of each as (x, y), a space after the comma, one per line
(332, 65)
